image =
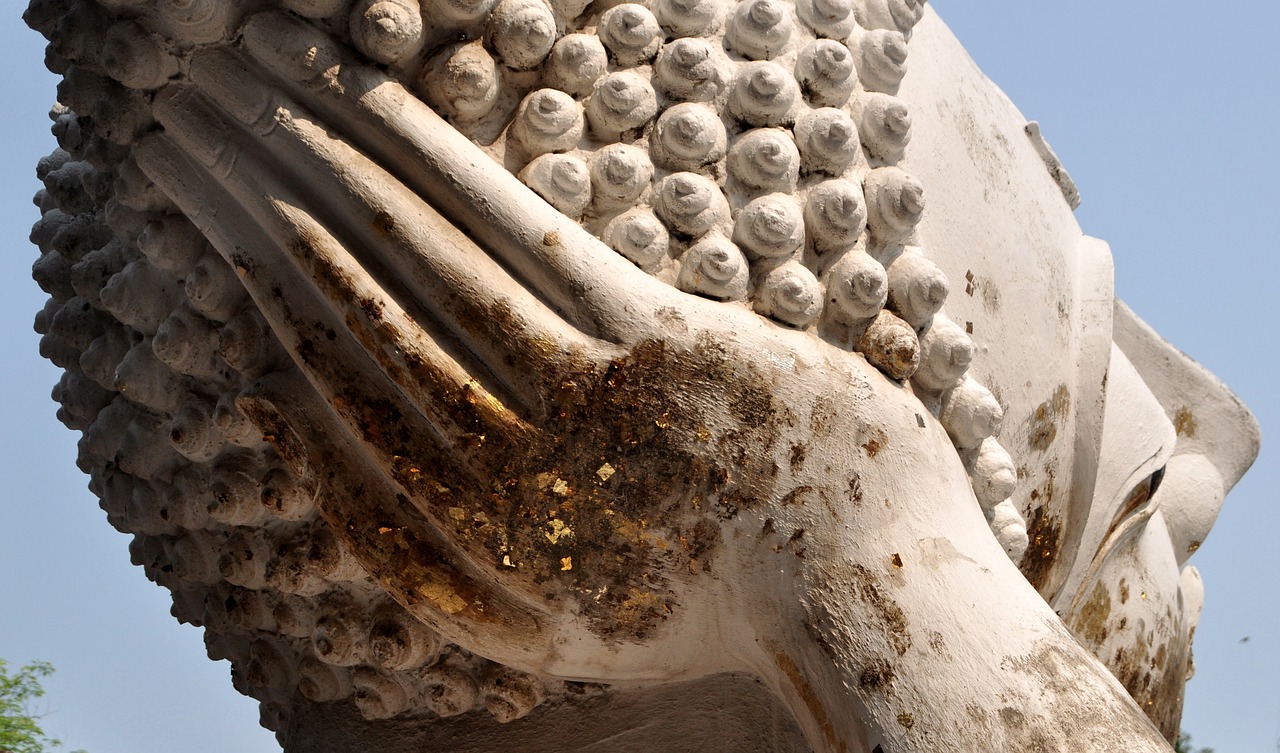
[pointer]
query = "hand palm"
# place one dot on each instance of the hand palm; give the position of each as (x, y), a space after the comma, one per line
(547, 455)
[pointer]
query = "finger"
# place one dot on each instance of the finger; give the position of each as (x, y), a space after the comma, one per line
(445, 406)
(428, 572)
(424, 262)
(360, 438)
(600, 292)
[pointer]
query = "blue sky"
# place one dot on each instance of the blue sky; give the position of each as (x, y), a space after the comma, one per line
(1165, 118)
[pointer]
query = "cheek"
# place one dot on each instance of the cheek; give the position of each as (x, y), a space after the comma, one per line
(1134, 617)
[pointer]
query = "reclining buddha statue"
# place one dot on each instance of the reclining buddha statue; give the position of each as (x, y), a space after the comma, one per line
(557, 375)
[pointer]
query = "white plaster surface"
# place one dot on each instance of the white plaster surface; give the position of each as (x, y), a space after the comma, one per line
(1089, 301)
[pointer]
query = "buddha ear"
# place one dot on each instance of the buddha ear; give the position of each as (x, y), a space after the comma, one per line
(1209, 418)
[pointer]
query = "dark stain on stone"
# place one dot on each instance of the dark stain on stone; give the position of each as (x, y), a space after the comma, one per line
(990, 296)
(1044, 422)
(1043, 429)
(1184, 422)
(1044, 531)
(1061, 401)
(371, 308)
(1091, 624)
(1012, 717)
(820, 416)
(855, 488)
(1156, 679)
(1043, 495)
(797, 496)
(876, 676)
(810, 699)
(384, 223)
(730, 504)
(539, 487)
(893, 621)
(797, 457)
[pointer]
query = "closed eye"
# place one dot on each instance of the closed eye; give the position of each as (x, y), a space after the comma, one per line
(1138, 499)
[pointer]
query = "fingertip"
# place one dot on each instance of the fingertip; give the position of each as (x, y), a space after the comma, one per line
(228, 81)
(167, 165)
(289, 47)
(197, 127)
(155, 155)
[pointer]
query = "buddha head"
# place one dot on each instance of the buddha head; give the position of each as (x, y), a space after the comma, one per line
(290, 257)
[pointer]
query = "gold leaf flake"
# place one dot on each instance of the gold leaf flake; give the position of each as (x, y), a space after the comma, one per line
(558, 531)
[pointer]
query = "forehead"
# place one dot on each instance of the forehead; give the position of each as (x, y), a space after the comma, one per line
(1037, 296)
(1034, 292)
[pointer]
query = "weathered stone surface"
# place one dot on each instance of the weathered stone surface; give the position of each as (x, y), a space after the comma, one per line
(470, 365)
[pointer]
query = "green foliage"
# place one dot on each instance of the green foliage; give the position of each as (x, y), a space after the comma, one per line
(1184, 745)
(19, 722)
